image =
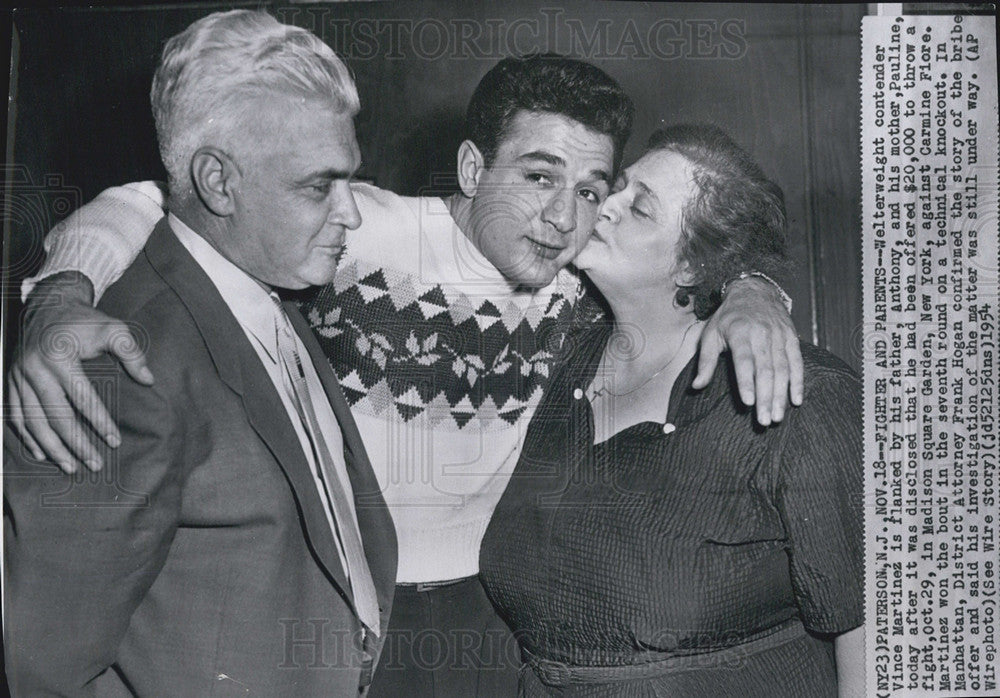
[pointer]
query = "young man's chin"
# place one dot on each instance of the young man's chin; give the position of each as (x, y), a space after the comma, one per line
(541, 279)
(533, 271)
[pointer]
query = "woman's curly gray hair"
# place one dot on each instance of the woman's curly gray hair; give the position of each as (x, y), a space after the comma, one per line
(734, 222)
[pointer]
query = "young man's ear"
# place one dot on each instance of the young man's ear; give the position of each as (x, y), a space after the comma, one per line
(215, 178)
(470, 167)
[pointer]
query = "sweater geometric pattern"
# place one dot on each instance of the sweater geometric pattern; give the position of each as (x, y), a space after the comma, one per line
(461, 362)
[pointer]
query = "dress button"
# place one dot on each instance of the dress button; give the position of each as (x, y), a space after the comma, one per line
(668, 428)
(577, 394)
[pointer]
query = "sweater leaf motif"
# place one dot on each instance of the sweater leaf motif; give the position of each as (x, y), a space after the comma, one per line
(461, 361)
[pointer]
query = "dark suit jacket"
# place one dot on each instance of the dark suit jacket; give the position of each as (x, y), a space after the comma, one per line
(199, 562)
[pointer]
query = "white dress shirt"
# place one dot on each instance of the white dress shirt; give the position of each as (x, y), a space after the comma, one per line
(253, 307)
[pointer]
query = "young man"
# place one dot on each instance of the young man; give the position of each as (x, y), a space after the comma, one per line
(241, 515)
(442, 323)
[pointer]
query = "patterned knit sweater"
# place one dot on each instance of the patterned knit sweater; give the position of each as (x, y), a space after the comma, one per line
(441, 358)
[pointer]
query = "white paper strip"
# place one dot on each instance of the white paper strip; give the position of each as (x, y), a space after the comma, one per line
(929, 168)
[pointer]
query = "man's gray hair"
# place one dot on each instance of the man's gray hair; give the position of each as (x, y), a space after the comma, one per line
(209, 73)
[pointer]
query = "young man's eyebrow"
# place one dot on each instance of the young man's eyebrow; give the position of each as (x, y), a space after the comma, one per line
(557, 161)
(601, 175)
(544, 156)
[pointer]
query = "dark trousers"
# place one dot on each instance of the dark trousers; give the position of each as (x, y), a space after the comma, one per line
(446, 642)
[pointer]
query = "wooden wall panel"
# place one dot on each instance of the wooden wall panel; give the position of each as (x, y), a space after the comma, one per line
(833, 102)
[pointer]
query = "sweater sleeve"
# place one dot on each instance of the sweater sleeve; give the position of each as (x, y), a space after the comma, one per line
(102, 238)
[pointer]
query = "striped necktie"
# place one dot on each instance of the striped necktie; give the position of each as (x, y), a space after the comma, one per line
(362, 586)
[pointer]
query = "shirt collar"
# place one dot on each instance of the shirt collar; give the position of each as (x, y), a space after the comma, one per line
(249, 302)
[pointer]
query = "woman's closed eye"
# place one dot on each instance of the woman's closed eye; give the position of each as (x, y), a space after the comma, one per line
(638, 212)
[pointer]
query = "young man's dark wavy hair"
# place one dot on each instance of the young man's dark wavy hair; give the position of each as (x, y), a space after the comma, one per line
(547, 83)
(734, 222)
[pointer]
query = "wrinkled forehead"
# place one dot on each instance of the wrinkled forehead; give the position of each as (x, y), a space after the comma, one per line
(663, 171)
(567, 142)
(309, 133)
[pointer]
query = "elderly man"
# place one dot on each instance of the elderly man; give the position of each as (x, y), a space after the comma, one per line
(238, 542)
(442, 324)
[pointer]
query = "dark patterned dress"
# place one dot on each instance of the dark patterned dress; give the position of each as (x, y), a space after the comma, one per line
(702, 562)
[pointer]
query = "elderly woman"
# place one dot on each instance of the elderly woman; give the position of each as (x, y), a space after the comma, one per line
(655, 541)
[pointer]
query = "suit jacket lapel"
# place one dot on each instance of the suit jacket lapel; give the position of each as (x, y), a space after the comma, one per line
(377, 531)
(240, 368)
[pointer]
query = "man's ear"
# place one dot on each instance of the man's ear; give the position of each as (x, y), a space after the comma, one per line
(216, 179)
(470, 167)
